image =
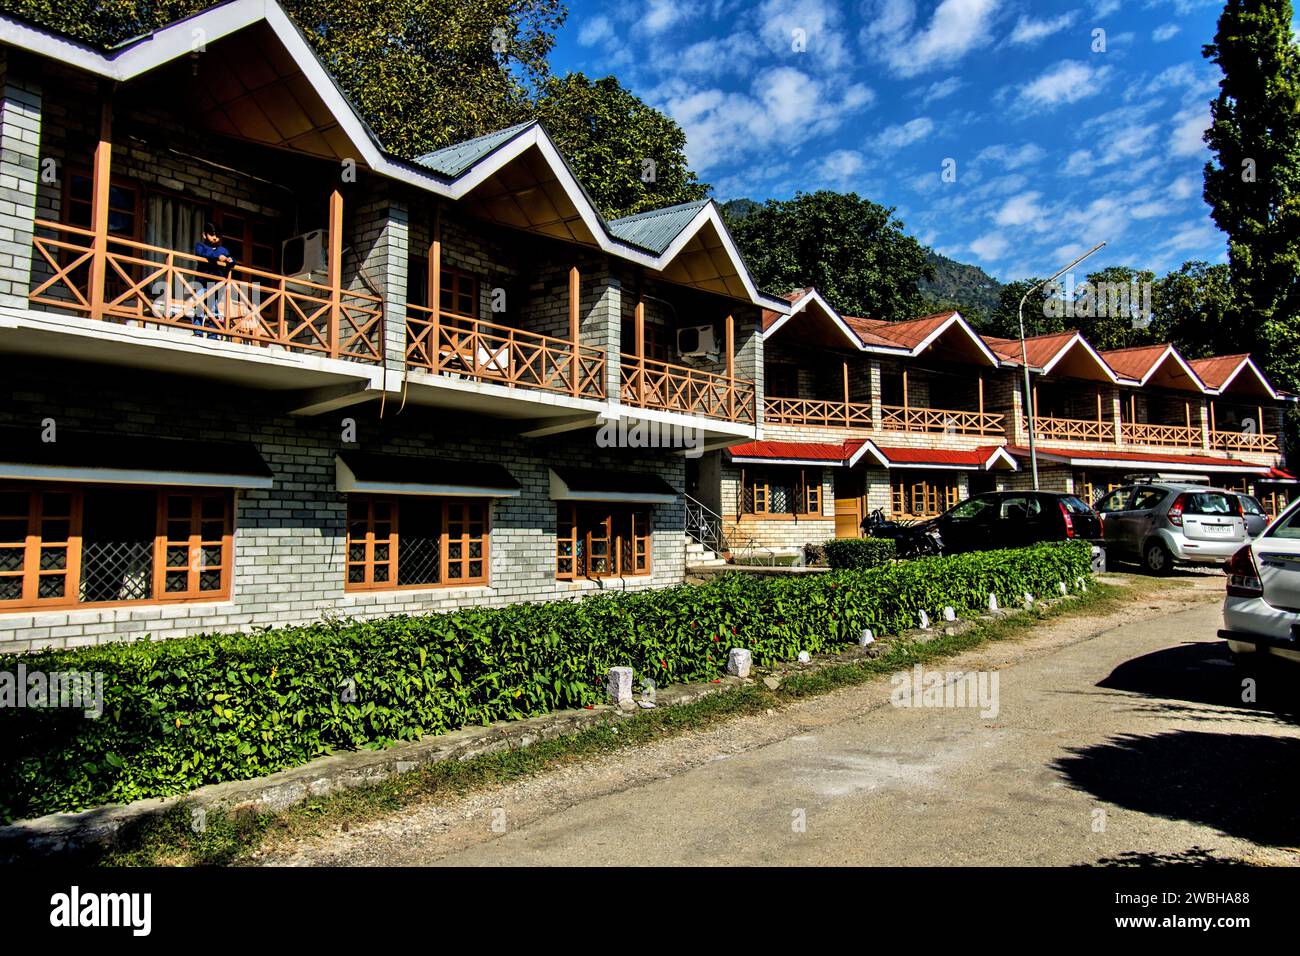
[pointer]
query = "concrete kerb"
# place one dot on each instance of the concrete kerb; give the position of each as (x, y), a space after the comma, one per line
(101, 827)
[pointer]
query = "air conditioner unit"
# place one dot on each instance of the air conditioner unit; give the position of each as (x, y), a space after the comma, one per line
(696, 341)
(306, 256)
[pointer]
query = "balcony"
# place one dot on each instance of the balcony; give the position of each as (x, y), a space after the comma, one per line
(468, 348)
(944, 421)
(647, 383)
(1180, 436)
(147, 286)
(1243, 441)
(816, 413)
(1074, 429)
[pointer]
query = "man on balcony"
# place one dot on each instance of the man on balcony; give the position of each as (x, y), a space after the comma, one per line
(215, 271)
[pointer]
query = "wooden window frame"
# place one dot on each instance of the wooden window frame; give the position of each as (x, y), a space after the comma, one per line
(756, 494)
(938, 491)
(576, 527)
(34, 544)
(458, 278)
(451, 512)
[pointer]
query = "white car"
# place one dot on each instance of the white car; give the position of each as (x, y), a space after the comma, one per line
(1261, 613)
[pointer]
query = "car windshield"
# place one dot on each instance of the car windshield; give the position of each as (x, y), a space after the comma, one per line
(970, 508)
(1250, 505)
(1288, 526)
(1075, 506)
(1210, 503)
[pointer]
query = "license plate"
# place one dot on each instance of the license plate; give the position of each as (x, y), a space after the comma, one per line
(1218, 530)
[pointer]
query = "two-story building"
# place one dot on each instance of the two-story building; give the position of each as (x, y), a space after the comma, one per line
(910, 417)
(418, 385)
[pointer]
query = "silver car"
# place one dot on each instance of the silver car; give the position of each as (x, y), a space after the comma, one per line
(1160, 524)
(1261, 613)
(1254, 513)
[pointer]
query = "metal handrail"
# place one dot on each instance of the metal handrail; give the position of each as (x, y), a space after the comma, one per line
(704, 526)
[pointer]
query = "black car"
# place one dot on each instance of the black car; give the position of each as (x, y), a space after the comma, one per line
(1013, 519)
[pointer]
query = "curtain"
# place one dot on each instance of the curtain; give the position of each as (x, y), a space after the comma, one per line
(173, 223)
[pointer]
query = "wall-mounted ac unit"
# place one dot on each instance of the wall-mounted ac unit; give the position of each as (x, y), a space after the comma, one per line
(306, 256)
(696, 341)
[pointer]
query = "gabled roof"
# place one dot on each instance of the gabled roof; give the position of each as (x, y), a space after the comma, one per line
(1144, 363)
(828, 454)
(918, 335)
(1219, 372)
(831, 329)
(983, 458)
(1068, 351)
(700, 241)
(656, 229)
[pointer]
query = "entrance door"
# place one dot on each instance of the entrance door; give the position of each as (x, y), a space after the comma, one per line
(848, 504)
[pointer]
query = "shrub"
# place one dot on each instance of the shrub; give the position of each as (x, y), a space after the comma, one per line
(858, 553)
(182, 713)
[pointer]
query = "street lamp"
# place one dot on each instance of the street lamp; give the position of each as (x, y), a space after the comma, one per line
(1024, 357)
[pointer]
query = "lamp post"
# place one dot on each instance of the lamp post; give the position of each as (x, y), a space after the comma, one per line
(1024, 357)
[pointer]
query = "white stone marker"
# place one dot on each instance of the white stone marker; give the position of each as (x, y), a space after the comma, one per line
(949, 614)
(1029, 600)
(739, 661)
(1060, 586)
(866, 637)
(925, 621)
(993, 602)
(619, 685)
(805, 657)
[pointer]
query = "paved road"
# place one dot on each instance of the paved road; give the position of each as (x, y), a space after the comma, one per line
(1129, 744)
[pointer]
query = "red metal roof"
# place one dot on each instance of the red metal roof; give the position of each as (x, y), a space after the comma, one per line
(1214, 371)
(1105, 454)
(1040, 349)
(974, 457)
(1135, 362)
(770, 317)
(794, 450)
(909, 333)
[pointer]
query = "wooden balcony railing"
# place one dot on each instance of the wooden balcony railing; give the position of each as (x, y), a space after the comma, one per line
(816, 412)
(1180, 436)
(1074, 429)
(1243, 441)
(151, 286)
(454, 345)
(939, 420)
(647, 383)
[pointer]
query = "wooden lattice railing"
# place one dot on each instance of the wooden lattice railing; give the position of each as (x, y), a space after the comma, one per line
(939, 420)
(150, 286)
(1243, 441)
(1074, 429)
(814, 411)
(1179, 436)
(455, 345)
(647, 383)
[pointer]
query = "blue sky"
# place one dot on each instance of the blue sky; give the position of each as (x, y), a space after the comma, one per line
(1056, 145)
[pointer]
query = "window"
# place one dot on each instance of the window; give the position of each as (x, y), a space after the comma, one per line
(660, 343)
(459, 294)
(782, 491)
(123, 205)
(415, 541)
(1145, 498)
(1020, 508)
(973, 508)
(1211, 503)
(596, 541)
(782, 380)
(1251, 505)
(1117, 500)
(97, 545)
(922, 495)
(250, 239)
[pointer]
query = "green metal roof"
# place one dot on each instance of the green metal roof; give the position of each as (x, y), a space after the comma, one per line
(655, 230)
(455, 159)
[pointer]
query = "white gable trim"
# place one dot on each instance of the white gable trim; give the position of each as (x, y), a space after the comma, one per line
(956, 318)
(802, 303)
(1247, 361)
(1078, 339)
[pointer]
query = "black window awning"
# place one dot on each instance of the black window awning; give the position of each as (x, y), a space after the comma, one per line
(417, 475)
(593, 484)
(77, 456)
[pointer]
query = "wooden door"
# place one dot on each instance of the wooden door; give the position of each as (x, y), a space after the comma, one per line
(848, 504)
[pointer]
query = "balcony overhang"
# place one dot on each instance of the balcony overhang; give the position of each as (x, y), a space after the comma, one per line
(610, 485)
(1096, 458)
(357, 471)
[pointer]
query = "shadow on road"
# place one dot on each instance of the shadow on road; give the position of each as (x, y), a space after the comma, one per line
(1202, 673)
(1240, 784)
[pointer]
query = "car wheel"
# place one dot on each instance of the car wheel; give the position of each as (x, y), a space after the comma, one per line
(1156, 558)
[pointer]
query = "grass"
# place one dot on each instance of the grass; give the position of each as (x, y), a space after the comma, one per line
(225, 839)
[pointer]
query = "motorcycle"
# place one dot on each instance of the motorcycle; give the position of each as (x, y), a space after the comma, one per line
(912, 539)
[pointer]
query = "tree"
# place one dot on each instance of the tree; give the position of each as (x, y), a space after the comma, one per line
(1004, 320)
(854, 251)
(630, 156)
(1254, 187)
(1193, 310)
(1113, 308)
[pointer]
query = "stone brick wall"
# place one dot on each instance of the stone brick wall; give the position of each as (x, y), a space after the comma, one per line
(20, 126)
(289, 554)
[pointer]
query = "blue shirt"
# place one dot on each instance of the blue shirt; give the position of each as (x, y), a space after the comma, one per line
(213, 253)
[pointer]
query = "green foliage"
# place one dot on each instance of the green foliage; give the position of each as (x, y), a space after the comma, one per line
(957, 285)
(183, 713)
(1004, 322)
(854, 251)
(608, 134)
(858, 553)
(1194, 311)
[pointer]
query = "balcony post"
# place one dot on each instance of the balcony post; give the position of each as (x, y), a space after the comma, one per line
(731, 367)
(575, 293)
(907, 418)
(435, 291)
(846, 394)
(100, 183)
(979, 390)
(1187, 415)
(1259, 409)
(639, 319)
(336, 268)
(1202, 417)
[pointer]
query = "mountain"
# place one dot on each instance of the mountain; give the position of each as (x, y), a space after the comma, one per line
(968, 289)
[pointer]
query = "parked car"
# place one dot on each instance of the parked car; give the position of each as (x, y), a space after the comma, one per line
(1013, 519)
(1254, 513)
(1261, 613)
(1160, 524)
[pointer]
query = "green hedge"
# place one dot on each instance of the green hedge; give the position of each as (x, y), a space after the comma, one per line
(858, 553)
(204, 709)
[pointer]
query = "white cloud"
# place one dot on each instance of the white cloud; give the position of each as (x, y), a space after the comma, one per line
(1028, 30)
(904, 134)
(1185, 187)
(662, 14)
(1189, 126)
(955, 28)
(596, 30)
(1105, 8)
(1010, 157)
(820, 23)
(1020, 210)
(1080, 163)
(990, 246)
(941, 90)
(839, 166)
(1067, 82)
(1166, 31)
